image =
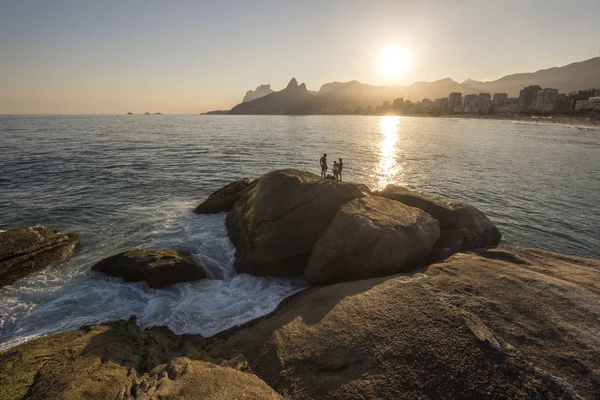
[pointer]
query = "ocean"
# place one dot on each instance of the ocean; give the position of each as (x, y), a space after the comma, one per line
(128, 182)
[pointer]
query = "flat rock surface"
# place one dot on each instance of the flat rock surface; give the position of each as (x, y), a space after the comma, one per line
(369, 237)
(27, 250)
(158, 268)
(496, 325)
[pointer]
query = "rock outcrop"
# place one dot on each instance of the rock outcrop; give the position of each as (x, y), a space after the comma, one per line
(260, 91)
(158, 268)
(369, 237)
(223, 199)
(495, 324)
(293, 100)
(490, 324)
(116, 361)
(27, 250)
(463, 226)
(279, 218)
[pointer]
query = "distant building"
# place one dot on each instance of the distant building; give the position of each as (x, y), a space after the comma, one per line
(441, 105)
(592, 103)
(500, 98)
(454, 101)
(398, 104)
(528, 97)
(485, 96)
(510, 105)
(425, 104)
(585, 94)
(545, 98)
(564, 103)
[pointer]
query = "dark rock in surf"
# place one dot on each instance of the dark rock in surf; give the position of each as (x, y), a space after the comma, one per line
(369, 237)
(468, 228)
(27, 250)
(158, 268)
(223, 199)
(279, 218)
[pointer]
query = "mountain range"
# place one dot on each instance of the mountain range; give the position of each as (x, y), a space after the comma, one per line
(296, 99)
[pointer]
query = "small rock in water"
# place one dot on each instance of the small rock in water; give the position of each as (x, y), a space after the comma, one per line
(158, 268)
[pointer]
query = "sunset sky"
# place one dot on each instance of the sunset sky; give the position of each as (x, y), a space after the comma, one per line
(192, 56)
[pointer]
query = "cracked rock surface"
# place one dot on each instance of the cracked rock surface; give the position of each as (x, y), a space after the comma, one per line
(279, 218)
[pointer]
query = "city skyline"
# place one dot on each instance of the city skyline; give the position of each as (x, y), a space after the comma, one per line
(114, 57)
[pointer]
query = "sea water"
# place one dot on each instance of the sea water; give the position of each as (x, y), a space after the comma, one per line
(128, 182)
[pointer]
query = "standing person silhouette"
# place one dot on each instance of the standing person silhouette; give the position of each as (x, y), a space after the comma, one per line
(335, 170)
(340, 166)
(323, 162)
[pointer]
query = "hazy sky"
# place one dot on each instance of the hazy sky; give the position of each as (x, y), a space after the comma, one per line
(84, 56)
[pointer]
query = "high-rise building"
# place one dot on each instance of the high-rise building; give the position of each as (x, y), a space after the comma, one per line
(564, 103)
(426, 104)
(544, 100)
(485, 96)
(528, 97)
(471, 102)
(454, 101)
(398, 103)
(500, 98)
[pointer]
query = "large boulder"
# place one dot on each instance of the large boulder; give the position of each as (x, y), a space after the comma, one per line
(223, 199)
(158, 268)
(279, 218)
(27, 250)
(117, 361)
(470, 227)
(498, 324)
(372, 236)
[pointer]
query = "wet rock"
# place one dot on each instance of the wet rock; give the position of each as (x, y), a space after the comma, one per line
(223, 199)
(27, 250)
(369, 237)
(158, 268)
(452, 215)
(279, 218)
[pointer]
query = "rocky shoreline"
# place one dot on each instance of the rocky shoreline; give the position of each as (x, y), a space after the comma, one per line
(409, 299)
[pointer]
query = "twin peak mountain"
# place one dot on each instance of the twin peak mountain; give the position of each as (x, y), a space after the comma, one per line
(337, 97)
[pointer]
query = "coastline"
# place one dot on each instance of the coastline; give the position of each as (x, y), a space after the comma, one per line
(576, 122)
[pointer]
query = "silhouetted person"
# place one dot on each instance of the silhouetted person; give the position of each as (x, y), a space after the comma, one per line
(323, 162)
(335, 170)
(340, 167)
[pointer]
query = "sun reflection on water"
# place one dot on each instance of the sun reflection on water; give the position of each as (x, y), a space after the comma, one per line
(388, 168)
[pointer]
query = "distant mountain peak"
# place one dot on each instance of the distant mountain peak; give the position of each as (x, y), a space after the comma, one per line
(260, 91)
(293, 84)
(471, 82)
(302, 87)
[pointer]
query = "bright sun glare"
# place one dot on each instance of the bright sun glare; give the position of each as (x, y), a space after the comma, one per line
(394, 61)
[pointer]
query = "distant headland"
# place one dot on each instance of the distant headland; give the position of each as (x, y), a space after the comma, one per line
(573, 89)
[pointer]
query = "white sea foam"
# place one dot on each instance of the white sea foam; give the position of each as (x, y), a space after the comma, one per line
(70, 296)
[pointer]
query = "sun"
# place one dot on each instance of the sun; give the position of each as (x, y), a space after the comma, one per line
(394, 61)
